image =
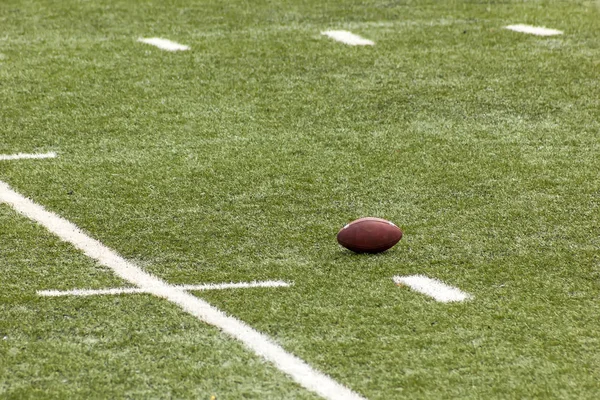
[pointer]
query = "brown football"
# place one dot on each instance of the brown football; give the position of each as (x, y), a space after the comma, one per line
(369, 235)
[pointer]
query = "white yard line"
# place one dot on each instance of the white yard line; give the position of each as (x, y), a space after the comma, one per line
(209, 286)
(432, 288)
(534, 30)
(164, 44)
(23, 156)
(261, 344)
(348, 38)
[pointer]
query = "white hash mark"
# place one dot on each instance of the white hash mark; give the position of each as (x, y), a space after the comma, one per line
(534, 30)
(164, 44)
(23, 156)
(348, 38)
(432, 288)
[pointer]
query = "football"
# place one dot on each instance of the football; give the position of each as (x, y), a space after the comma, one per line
(369, 235)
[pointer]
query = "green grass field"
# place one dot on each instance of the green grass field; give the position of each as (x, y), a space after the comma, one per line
(240, 159)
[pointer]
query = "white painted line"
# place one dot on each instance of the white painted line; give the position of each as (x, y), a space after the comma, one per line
(209, 286)
(89, 292)
(432, 288)
(260, 343)
(534, 30)
(348, 38)
(235, 285)
(164, 44)
(23, 156)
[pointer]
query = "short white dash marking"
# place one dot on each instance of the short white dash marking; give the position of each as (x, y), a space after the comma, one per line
(261, 344)
(534, 30)
(23, 156)
(348, 38)
(164, 44)
(432, 288)
(209, 286)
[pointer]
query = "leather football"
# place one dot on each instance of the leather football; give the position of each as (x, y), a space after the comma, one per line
(369, 235)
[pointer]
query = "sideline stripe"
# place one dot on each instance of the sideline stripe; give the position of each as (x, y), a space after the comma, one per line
(164, 44)
(348, 38)
(432, 288)
(209, 286)
(260, 343)
(534, 30)
(23, 156)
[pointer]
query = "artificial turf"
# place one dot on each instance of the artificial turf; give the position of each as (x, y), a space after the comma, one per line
(240, 159)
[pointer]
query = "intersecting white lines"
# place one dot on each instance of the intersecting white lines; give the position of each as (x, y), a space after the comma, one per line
(259, 343)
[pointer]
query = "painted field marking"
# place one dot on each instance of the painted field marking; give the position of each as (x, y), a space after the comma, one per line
(164, 44)
(23, 156)
(534, 30)
(261, 344)
(208, 286)
(348, 38)
(432, 288)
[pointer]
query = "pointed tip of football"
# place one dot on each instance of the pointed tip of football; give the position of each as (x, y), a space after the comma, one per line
(369, 235)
